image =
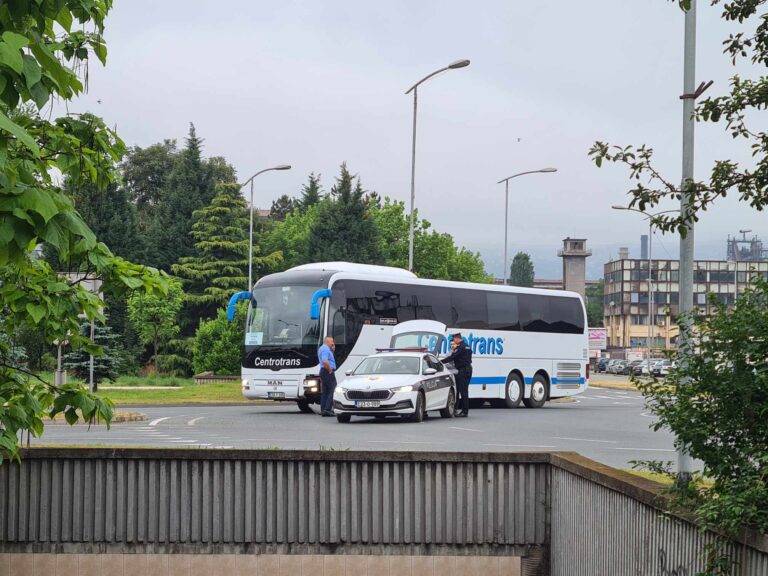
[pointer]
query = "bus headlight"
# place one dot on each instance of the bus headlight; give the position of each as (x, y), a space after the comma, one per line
(245, 383)
(403, 389)
(312, 384)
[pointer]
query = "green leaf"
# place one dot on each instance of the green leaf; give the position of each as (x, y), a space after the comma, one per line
(64, 17)
(40, 94)
(15, 41)
(11, 57)
(32, 73)
(22, 135)
(36, 311)
(70, 415)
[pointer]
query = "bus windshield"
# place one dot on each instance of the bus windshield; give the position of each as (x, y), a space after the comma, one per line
(279, 316)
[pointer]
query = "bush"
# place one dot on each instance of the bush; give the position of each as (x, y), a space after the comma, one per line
(218, 344)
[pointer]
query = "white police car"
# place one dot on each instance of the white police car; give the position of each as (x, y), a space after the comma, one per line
(405, 380)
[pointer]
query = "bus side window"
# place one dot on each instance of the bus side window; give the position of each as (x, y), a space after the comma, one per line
(471, 308)
(502, 311)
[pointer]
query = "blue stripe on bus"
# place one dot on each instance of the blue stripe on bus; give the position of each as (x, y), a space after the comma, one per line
(503, 380)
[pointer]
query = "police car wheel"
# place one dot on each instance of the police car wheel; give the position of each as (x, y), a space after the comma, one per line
(450, 405)
(538, 392)
(419, 411)
(513, 391)
(343, 418)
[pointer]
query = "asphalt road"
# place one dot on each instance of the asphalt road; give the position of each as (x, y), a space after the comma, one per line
(610, 426)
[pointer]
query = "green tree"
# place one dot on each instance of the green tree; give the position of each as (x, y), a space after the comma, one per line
(220, 268)
(311, 193)
(281, 207)
(594, 304)
(42, 45)
(218, 343)
(156, 316)
(521, 271)
(738, 111)
(106, 366)
(291, 237)
(344, 229)
(716, 404)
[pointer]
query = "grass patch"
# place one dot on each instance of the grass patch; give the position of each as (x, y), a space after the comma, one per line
(185, 392)
(660, 478)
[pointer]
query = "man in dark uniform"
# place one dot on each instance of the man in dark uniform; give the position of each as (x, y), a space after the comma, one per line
(461, 356)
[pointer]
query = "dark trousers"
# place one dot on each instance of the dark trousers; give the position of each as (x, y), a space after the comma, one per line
(327, 386)
(462, 387)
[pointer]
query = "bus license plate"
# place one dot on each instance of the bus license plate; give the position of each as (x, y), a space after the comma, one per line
(367, 403)
(275, 394)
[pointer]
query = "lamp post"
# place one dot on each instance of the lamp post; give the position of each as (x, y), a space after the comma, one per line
(650, 218)
(414, 89)
(250, 225)
(506, 209)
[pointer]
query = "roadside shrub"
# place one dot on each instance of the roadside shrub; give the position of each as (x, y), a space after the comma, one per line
(218, 343)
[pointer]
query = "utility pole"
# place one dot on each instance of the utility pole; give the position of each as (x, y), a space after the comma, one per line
(684, 462)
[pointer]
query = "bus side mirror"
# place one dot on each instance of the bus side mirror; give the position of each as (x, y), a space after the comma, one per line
(314, 308)
(234, 300)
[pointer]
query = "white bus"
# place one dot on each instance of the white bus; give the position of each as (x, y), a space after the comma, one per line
(528, 345)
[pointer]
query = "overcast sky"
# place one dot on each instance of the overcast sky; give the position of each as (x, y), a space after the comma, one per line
(317, 83)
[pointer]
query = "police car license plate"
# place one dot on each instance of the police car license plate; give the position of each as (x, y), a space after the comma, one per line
(275, 394)
(367, 404)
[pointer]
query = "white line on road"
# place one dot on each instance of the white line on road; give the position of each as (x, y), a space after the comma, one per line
(401, 442)
(158, 420)
(647, 449)
(647, 415)
(466, 429)
(520, 445)
(183, 441)
(585, 440)
(623, 403)
(195, 420)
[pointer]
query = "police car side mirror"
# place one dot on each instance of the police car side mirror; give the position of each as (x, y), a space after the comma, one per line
(429, 371)
(349, 372)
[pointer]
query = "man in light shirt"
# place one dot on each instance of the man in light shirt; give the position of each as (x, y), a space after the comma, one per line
(327, 376)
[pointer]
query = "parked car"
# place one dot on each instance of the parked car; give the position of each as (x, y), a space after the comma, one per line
(401, 383)
(662, 368)
(630, 368)
(616, 366)
(602, 365)
(642, 369)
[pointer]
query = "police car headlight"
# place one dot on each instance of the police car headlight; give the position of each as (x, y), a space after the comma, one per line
(340, 389)
(403, 389)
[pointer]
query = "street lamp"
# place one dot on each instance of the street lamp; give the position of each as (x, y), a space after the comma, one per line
(650, 218)
(414, 89)
(506, 209)
(250, 226)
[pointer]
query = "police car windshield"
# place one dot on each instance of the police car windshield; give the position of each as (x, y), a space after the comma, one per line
(279, 316)
(389, 365)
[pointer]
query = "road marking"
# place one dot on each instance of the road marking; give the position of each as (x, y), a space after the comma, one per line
(520, 445)
(400, 442)
(276, 440)
(466, 429)
(647, 449)
(623, 403)
(587, 397)
(647, 414)
(605, 397)
(183, 441)
(194, 420)
(585, 440)
(158, 420)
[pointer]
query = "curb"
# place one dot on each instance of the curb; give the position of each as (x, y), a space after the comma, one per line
(116, 419)
(613, 386)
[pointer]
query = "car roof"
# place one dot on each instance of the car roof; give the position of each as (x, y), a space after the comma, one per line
(410, 353)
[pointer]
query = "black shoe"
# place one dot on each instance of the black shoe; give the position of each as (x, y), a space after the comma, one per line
(327, 414)
(462, 415)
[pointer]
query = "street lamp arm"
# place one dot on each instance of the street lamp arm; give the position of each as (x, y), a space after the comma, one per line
(281, 167)
(427, 77)
(527, 172)
(644, 213)
(451, 66)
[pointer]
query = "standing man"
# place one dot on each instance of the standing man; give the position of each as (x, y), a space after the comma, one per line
(327, 376)
(462, 360)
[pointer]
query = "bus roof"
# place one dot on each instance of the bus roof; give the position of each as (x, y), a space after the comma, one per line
(388, 271)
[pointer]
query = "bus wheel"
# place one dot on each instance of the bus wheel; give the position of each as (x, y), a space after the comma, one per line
(513, 392)
(304, 406)
(538, 392)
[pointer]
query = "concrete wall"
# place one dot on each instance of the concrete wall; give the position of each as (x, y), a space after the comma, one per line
(250, 565)
(602, 524)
